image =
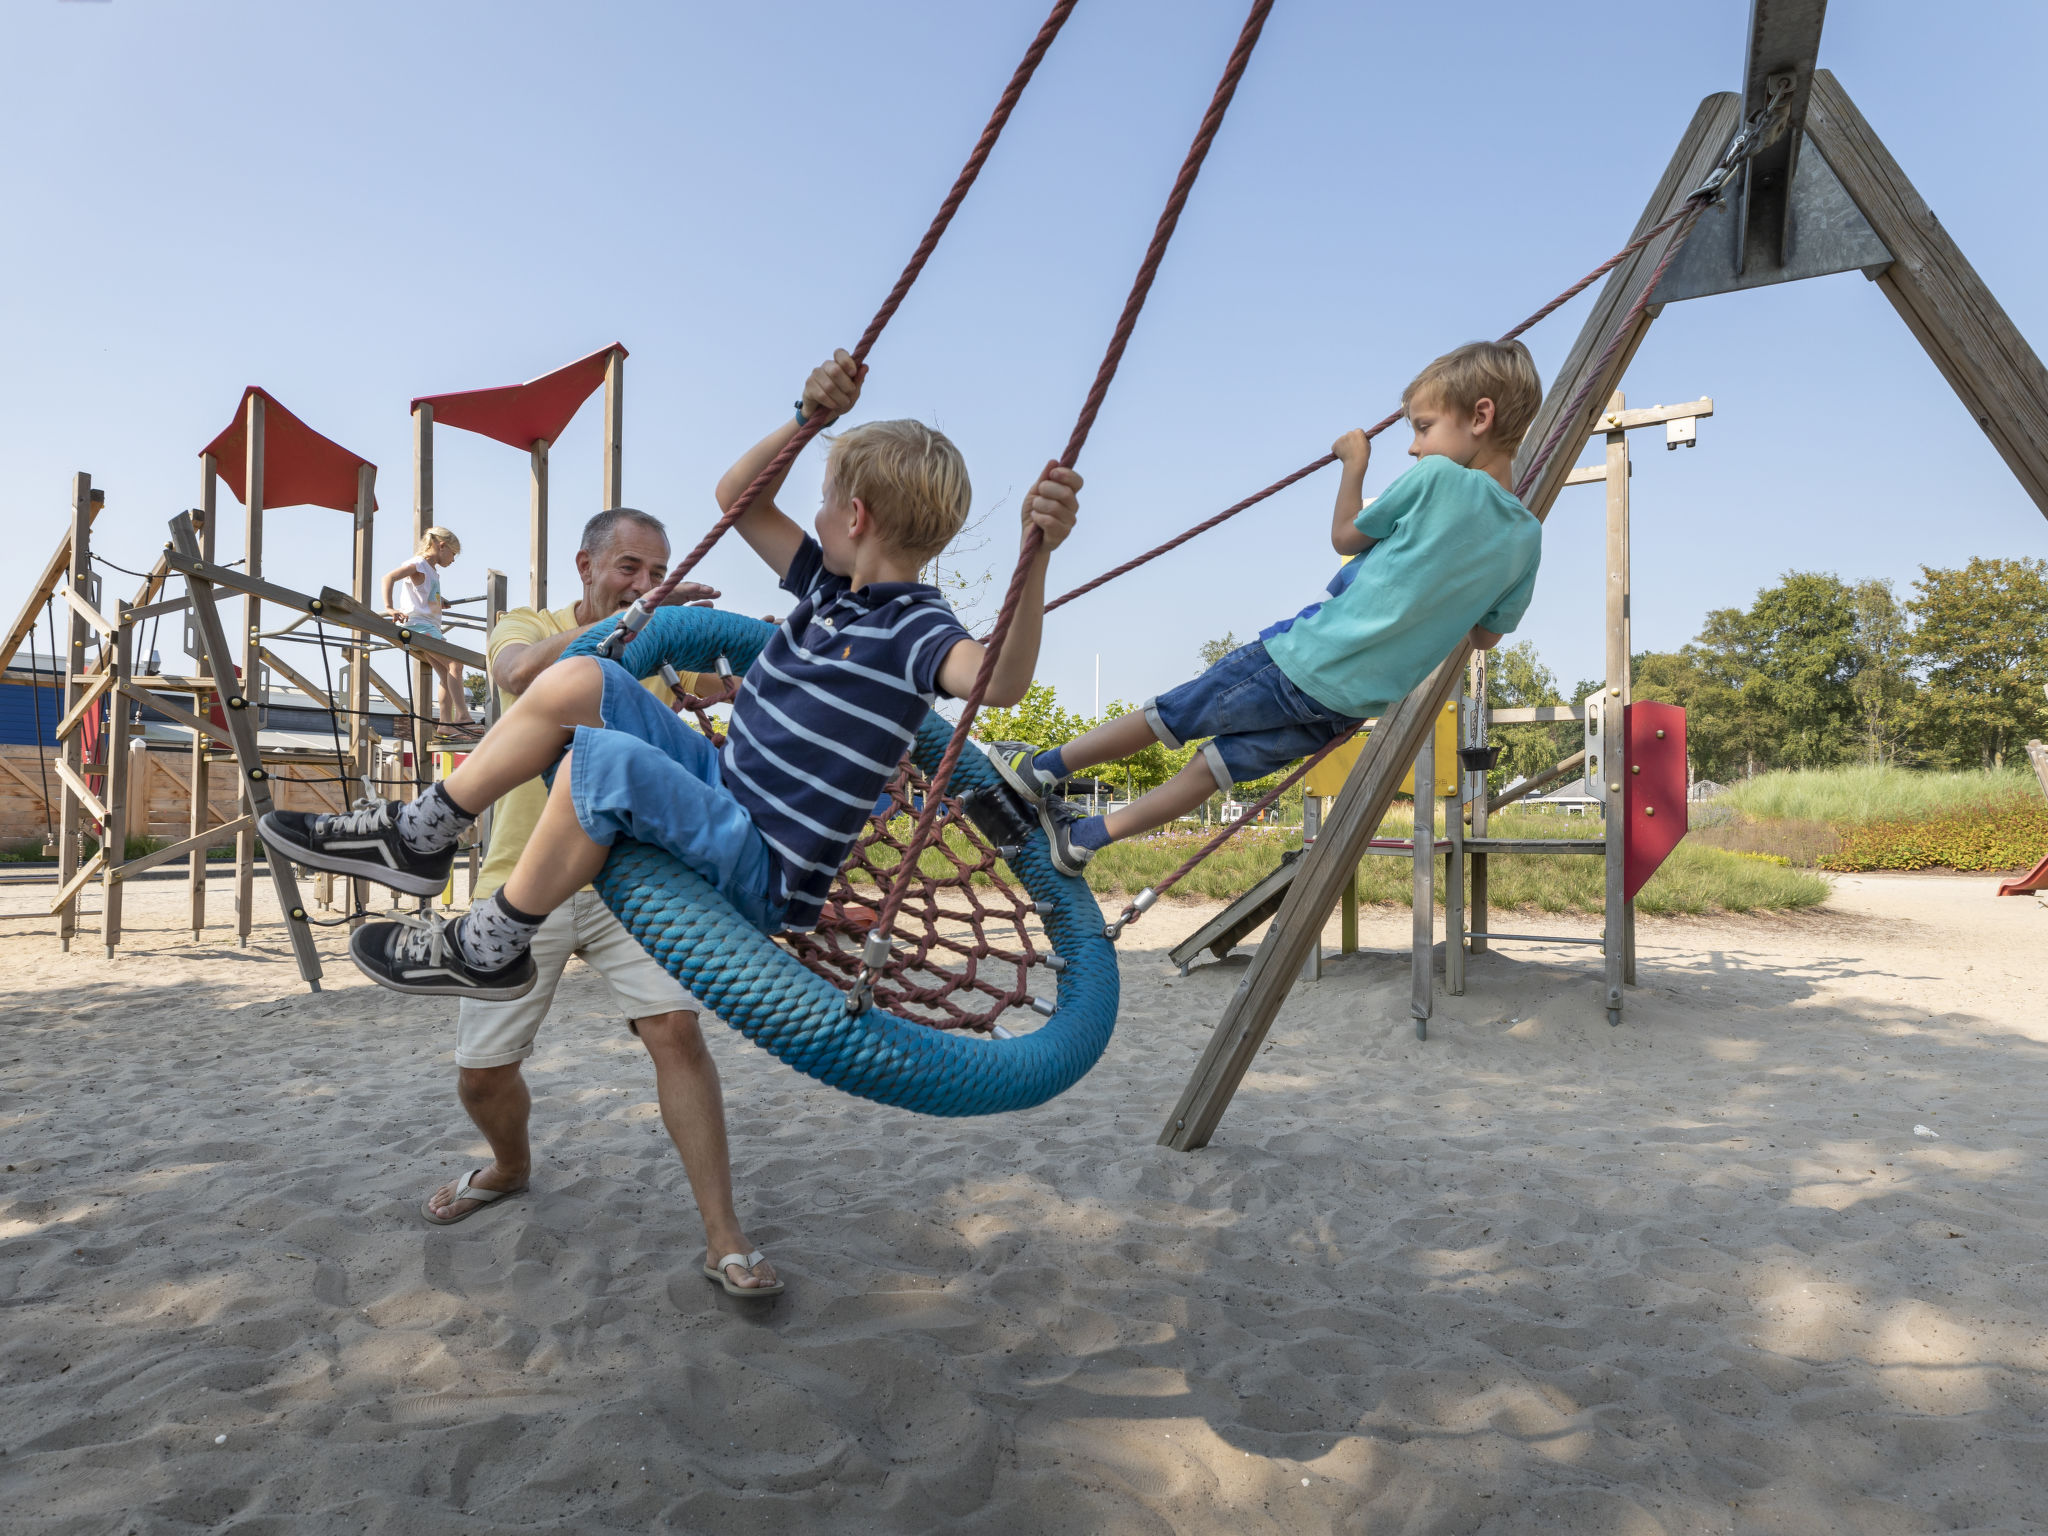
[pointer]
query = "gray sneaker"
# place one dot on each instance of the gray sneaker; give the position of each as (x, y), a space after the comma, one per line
(1013, 760)
(1058, 819)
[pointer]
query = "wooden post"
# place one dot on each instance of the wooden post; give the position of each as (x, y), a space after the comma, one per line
(614, 430)
(114, 740)
(538, 538)
(240, 714)
(201, 817)
(1936, 291)
(1347, 916)
(1369, 792)
(1613, 756)
(252, 662)
(78, 572)
(422, 675)
(1423, 859)
(495, 603)
(1477, 917)
(361, 739)
(1454, 859)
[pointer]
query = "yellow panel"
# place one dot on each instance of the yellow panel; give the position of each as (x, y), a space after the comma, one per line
(1328, 776)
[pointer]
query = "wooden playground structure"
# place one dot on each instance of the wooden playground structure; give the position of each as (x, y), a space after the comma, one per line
(269, 459)
(1822, 196)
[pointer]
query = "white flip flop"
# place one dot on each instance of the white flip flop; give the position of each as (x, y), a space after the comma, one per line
(466, 1189)
(717, 1272)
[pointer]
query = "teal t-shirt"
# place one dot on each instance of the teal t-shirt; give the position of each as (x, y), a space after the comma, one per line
(1453, 550)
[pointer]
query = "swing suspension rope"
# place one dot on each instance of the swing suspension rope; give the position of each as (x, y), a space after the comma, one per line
(634, 619)
(875, 952)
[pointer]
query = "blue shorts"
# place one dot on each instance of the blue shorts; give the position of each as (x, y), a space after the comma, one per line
(648, 776)
(1257, 720)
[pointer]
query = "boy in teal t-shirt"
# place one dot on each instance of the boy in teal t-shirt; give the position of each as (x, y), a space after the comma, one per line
(1445, 552)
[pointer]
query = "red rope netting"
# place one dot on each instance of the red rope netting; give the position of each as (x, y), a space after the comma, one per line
(964, 952)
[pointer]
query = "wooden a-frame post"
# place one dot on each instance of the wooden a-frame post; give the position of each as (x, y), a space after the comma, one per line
(1898, 243)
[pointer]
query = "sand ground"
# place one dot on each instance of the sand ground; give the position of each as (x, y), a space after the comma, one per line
(1695, 1274)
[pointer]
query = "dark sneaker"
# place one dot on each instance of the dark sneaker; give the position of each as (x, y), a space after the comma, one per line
(1058, 819)
(363, 841)
(419, 954)
(1013, 760)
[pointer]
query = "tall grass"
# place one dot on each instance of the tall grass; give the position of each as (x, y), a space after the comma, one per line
(1694, 879)
(1851, 796)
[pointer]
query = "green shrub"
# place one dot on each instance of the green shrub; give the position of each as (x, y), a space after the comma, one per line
(1852, 796)
(2014, 836)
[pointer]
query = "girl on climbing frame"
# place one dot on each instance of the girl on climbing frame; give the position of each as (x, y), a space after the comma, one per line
(1453, 555)
(412, 596)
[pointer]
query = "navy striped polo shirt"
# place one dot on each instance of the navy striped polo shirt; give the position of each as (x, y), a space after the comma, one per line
(829, 708)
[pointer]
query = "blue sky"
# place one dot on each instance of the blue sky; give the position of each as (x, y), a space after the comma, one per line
(355, 204)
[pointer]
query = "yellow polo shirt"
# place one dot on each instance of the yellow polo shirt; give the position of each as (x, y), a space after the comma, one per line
(514, 817)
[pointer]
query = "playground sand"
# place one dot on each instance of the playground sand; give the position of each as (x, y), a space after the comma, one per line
(1695, 1274)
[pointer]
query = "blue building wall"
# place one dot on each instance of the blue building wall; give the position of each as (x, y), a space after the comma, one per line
(18, 705)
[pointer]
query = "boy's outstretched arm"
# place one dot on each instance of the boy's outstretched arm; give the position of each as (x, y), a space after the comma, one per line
(834, 388)
(1354, 452)
(1053, 505)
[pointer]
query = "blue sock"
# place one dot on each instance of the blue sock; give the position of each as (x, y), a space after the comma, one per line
(1090, 832)
(1052, 763)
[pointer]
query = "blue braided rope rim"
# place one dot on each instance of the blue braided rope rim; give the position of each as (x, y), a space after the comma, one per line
(765, 992)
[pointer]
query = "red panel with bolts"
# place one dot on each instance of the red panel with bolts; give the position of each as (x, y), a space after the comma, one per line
(1653, 789)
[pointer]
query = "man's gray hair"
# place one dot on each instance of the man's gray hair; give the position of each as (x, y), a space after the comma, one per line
(598, 532)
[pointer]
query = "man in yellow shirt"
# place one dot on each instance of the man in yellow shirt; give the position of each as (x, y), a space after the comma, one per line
(623, 553)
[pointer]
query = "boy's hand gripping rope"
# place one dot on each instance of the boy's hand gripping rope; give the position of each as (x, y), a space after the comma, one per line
(875, 951)
(1755, 134)
(634, 619)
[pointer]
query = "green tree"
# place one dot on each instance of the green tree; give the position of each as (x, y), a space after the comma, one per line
(1037, 718)
(1982, 635)
(1786, 665)
(1213, 651)
(1883, 686)
(1517, 679)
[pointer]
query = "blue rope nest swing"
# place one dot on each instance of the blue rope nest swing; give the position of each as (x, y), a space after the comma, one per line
(768, 995)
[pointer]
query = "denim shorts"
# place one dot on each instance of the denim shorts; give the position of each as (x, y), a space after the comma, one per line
(1256, 719)
(647, 776)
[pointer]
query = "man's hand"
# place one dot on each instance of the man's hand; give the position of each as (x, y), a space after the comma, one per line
(1353, 450)
(1053, 504)
(834, 386)
(692, 594)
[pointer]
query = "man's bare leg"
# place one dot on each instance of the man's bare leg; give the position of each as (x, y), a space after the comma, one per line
(693, 1109)
(497, 1101)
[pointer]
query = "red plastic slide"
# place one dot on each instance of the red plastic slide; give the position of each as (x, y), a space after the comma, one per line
(2035, 879)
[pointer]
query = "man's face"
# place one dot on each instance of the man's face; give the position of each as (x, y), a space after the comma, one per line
(630, 562)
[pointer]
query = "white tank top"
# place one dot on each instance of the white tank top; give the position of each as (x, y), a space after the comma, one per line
(413, 600)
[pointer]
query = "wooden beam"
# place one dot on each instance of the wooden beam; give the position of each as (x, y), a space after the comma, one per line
(149, 698)
(1394, 743)
(77, 881)
(85, 610)
(91, 695)
(2038, 756)
(25, 621)
(1538, 844)
(179, 849)
(1587, 474)
(1534, 782)
(114, 829)
(42, 794)
(137, 613)
(614, 429)
(340, 608)
(538, 530)
(75, 782)
(1615, 419)
(299, 680)
(1939, 295)
(1536, 714)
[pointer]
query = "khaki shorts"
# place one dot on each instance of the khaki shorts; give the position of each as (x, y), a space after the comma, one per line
(497, 1034)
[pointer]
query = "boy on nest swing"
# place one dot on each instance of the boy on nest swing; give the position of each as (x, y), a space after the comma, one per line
(1452, 554)
(829, 708)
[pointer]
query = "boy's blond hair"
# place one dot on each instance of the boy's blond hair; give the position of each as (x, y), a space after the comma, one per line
(1502, 372)
(912, 478)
